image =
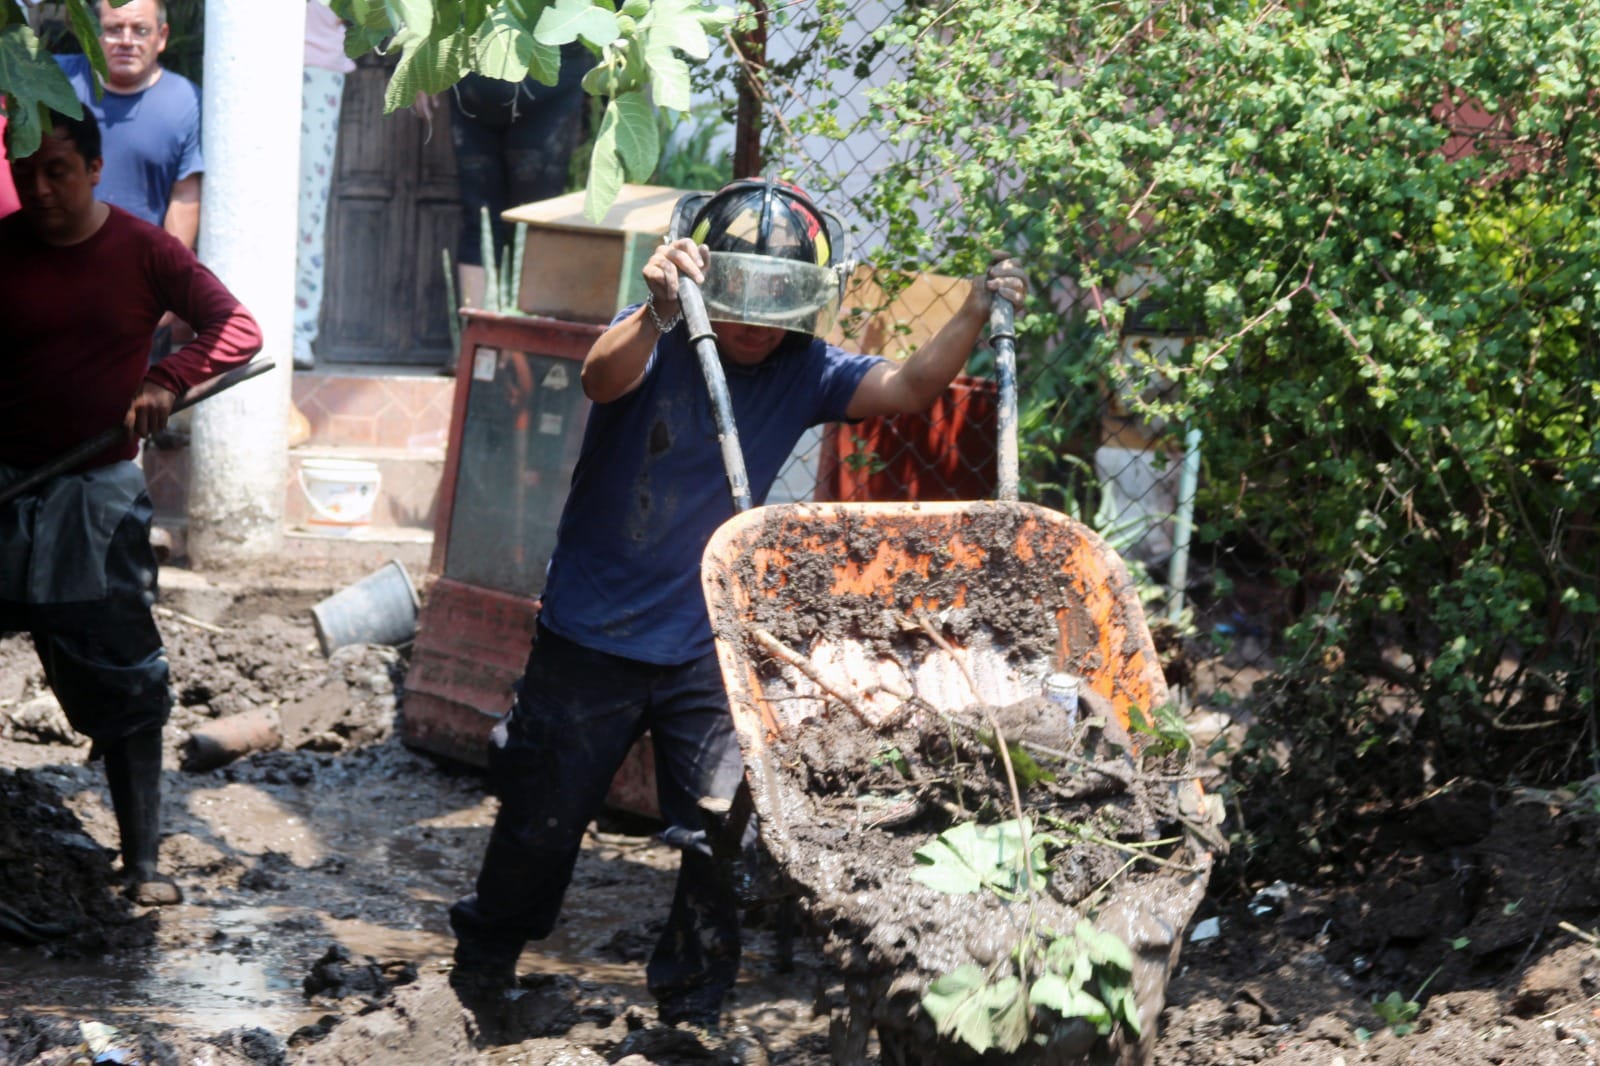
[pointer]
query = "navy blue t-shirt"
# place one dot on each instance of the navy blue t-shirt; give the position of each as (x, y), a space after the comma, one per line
(150, 140)
(650, 488)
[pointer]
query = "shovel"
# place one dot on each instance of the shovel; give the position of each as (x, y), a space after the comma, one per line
(105, 439)
(704, 343)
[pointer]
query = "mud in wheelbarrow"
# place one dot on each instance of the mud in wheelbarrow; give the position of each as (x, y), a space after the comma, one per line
(872, 655)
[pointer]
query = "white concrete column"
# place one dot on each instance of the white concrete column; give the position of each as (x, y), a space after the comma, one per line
(250, 135)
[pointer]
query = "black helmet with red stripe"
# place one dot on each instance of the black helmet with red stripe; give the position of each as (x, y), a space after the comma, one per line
(777, 258)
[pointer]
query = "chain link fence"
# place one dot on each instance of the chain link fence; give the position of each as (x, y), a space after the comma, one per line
(1085, 447)
(1220, 595)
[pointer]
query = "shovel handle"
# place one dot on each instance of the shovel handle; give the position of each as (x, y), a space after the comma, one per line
(106, 438)
(1003, 337)
(704, 343)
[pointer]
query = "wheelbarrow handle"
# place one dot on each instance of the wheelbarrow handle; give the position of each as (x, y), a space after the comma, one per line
(704, 343)
(1003, 337)
(107, 437)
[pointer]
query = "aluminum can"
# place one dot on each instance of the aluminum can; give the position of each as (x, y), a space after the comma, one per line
(1063, 689)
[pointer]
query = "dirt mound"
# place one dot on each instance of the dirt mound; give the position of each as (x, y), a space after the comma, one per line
(55, 881)
(40, 1040)
(1454, 945)
(1461, 931)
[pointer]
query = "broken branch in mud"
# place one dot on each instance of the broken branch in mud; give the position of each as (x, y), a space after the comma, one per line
(179, 616)
(778, 648)
(922, 622)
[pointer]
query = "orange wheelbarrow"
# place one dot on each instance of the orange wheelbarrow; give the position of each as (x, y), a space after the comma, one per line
(849, 634)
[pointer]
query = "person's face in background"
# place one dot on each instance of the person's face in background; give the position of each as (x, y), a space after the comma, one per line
(133, 36)
(55, 186)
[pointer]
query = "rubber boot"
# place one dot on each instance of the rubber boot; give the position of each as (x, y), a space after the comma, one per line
(133, 771)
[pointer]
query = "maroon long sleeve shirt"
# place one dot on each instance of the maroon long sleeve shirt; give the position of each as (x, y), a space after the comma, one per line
(75, 330)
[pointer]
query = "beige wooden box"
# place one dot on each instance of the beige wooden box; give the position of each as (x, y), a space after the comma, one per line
(871, 323)
(583, 271)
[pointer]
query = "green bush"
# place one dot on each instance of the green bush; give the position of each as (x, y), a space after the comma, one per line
(1395, 291)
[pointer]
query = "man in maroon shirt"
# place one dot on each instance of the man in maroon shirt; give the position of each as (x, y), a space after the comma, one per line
(82, 285)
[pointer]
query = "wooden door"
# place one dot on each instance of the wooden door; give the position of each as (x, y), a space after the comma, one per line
(394, 206)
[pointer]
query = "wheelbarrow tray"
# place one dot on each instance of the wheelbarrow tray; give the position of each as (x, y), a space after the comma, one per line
(845, 629)
(1020, 591)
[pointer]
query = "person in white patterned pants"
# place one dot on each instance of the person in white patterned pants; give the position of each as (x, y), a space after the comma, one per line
(325, 68)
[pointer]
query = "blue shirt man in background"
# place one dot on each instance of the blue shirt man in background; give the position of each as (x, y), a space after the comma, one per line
(149, 119)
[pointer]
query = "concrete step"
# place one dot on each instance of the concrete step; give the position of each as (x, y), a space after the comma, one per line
(355, 552)
(408, 491)
(371, 546)
(408, 494)
(396, 419)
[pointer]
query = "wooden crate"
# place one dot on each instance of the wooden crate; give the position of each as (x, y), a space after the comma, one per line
(583, 271)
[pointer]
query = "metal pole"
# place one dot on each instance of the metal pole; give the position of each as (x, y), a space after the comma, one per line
(704, 343)
(1188, 485)
(1003, 337)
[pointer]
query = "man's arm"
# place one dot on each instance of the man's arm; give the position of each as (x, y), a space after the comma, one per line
(226, 335)
(616, 364)
(912, 386)
(183, 211)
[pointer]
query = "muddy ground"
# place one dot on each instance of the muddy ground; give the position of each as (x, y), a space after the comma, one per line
(316, 879)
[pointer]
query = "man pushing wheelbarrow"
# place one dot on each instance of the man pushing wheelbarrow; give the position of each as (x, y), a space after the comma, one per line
(624, 644)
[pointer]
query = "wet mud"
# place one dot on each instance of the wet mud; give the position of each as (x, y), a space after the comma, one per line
(897, 660)
(316, 878)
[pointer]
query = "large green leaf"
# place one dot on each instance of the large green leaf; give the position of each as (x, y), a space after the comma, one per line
(1103, 948)
(87, 31)
(601, 80)
(669, 76)
(570, 20)
(1117, 992)
(714, 18)
(968, 858)
(1070, 999)
(638, 135)
(367, 24)
(982, 1014)
(33, 83)
(544, 62)
(413, 21)
(502, 48)
(430, 66)
(676, 24)
(605, 169)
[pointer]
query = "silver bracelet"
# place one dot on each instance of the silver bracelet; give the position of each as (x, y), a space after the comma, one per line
(663, 326)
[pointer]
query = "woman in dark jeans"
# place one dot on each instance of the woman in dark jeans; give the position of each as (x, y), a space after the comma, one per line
(514, 143)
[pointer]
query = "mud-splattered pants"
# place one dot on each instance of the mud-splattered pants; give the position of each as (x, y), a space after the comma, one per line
(576, 715)
(77, 573)
(513, 143)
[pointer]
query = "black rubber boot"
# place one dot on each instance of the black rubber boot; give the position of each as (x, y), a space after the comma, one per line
(133, 771)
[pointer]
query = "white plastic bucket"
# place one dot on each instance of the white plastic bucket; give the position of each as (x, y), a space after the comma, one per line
(340, 492)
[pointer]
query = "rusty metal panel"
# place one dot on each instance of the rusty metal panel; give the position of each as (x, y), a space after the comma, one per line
(472, 644)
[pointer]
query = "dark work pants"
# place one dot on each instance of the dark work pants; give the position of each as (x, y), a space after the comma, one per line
(514, 143)
(576, 715)
(104, 658)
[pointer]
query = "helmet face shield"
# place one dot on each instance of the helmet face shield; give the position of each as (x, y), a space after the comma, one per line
(760, 290)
